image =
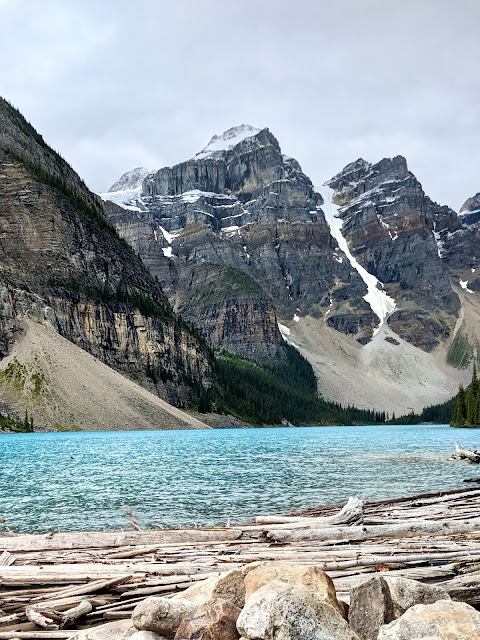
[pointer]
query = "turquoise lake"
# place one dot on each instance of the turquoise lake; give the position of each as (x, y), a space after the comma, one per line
(81, 481)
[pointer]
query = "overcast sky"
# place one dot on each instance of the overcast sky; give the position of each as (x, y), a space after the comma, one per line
(116, 84)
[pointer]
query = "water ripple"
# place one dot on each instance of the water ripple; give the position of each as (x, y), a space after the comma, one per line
(81, 481)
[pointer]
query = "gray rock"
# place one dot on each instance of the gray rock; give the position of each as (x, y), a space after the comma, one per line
(307, 576)
(146, 635)
(254, 211)
(443, 620)
(283, 611)
(229, 585)
(382, 599)
(118, 630)
(161, 615)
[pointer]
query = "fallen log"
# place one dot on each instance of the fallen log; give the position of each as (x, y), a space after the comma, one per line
(351, 513)
(406, 530)
(462, 453)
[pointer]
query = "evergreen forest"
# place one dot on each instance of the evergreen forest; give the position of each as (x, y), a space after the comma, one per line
(467, 404)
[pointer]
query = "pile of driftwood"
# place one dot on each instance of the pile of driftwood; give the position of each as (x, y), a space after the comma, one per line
(52, 584)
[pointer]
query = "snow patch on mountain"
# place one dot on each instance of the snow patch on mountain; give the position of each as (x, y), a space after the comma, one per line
(227, 140)
(130, 180)
(381, 304)
(126, 198)
(464, 285)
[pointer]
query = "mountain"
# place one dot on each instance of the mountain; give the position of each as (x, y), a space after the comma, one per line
(388, 223)
(361, 275)
(63, 265)
(249, 208)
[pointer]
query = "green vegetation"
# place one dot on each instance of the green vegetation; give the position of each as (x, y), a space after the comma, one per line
(460, 352)
(121, 295)
(219, 282)
(262, 394)
(23, 378)
(436, 413)
(467, 404)
(7, 423)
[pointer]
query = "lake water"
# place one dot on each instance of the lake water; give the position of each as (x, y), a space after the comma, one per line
(81, 481)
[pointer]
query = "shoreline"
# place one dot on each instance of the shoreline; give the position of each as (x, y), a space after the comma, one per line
(431, 537)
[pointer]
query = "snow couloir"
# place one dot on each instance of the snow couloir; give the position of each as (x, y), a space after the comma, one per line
(381, 304)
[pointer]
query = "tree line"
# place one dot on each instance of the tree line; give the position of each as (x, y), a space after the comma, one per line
(467, 404)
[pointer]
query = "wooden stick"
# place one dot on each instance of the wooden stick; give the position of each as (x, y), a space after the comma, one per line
(41, 621)
(6, 559)
(89, 588)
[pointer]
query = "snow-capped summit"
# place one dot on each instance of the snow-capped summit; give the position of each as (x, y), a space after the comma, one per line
(228, 140)
(130, 180)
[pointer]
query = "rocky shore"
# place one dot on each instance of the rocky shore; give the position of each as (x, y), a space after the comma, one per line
(282, 601)
(394, 569)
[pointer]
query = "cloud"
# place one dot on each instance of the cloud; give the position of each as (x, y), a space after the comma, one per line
(113, 85)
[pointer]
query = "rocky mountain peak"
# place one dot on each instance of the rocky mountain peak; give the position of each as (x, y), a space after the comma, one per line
(470, 210)
(351, 172)
(130, 180)
(228, 140)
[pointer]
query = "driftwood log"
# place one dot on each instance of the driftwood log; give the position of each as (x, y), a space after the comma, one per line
(352, 513)
(462, 453)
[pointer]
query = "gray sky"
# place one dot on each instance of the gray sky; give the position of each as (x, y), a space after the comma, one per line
(115, 84)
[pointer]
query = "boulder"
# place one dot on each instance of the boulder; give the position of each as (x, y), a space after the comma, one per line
(382, 599)
(161, 615)
(285, 611)
(146, 635)
(118, 630)
(304, 575)
(216, 620)
(442, 620)
(227, 586)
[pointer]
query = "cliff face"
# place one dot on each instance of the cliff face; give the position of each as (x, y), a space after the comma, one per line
(392, 228)
(240, 208)
(63, 264)
(247, 207)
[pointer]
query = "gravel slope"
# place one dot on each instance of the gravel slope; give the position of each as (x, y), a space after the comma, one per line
(80, 392)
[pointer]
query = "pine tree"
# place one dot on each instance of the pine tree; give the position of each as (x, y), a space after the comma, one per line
(460, 412)
(471, 397)
(476, 417)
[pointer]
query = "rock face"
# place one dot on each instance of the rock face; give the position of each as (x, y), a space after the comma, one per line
(245, 207)
(216, 620)
(392, 229)
(309, 577)
(443, 620)
(64, 265)
(382, 599)
(236, 313)
(227, 586)
(282, 611)
(238, 239)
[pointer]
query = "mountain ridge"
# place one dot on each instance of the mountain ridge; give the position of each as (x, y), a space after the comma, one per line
(251, 208)
(64, 265)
